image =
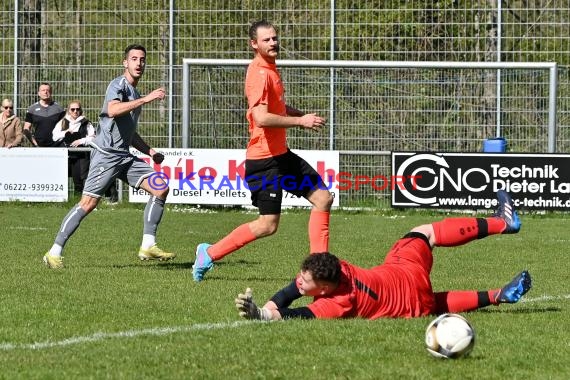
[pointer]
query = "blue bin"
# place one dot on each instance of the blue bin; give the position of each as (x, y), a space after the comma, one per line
(495, 145)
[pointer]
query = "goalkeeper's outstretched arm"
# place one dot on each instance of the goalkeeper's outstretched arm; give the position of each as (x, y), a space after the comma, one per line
(284, 297)
(270, 312)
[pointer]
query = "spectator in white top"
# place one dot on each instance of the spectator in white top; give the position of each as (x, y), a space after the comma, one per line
(73, 131)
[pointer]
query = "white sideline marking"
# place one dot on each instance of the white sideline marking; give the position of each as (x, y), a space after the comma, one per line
(26, 228)
(160, 331)
(546, 298)
(121, 334)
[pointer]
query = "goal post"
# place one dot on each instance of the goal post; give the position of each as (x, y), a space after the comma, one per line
(327, 81)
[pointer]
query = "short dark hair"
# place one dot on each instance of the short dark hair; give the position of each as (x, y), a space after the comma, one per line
(324, 266)
(46, 84)
(259, 24)
(133, 47)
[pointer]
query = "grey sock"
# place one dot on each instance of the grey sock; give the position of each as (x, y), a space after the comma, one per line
(69, 225)
(152, 215)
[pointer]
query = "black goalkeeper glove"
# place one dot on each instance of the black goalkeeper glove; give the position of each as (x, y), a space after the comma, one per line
(158, 158)
(248, 309)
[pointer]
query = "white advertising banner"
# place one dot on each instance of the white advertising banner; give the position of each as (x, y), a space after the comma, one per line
(33, 174)
(217, 176)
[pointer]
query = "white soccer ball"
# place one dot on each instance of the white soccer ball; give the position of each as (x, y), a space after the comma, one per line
(450, 336)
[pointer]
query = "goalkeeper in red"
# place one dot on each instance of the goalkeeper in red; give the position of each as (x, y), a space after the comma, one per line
(400, 287)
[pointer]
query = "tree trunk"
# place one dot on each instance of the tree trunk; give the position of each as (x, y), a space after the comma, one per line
(78, 6)
(45, 40)
(29, 59)
(489, 100)
(164, 64)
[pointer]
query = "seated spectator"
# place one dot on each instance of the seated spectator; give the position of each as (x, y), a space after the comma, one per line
(75, 130)
(10, 128)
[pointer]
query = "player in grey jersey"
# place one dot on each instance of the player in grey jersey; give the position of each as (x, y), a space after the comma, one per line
(111, 159)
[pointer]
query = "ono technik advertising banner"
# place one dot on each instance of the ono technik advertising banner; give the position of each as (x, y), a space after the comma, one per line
(471, 180)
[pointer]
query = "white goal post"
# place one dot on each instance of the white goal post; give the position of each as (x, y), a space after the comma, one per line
(550, 66)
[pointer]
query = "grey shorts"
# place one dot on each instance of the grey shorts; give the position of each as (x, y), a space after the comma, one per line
(104, 169)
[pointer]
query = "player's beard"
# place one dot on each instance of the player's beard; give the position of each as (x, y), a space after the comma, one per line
(136, 74)
(271, 55)
(274, 50)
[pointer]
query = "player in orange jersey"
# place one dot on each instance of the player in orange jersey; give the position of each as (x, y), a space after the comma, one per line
(400, 287)
(269, 160)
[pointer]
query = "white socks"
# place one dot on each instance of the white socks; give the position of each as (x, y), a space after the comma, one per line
(55, 250)
(148, 241)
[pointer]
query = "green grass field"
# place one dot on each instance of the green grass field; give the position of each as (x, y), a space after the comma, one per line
(109, 315)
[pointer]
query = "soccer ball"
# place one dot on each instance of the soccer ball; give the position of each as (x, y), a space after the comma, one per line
(450, 336)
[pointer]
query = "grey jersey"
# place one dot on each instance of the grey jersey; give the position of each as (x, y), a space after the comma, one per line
(115, 133)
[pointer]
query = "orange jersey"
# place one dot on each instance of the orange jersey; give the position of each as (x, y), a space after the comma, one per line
(397, 288)
(263, 86)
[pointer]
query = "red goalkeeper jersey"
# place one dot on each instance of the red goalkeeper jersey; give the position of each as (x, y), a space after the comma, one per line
(400, 287)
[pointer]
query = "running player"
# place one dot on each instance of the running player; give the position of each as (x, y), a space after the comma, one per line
(111, 159)
(269, 160)
(401, 286)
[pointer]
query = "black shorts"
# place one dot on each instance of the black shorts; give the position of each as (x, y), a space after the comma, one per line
(268, 177)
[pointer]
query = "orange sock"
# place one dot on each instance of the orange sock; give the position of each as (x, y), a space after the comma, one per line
(451, 232)
(457, 301)
(236, 239)
(495, 225)
(319, 231)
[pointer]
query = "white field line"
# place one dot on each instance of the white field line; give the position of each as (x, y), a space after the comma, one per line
(160, 331)
(546, 298)
(26, 228)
